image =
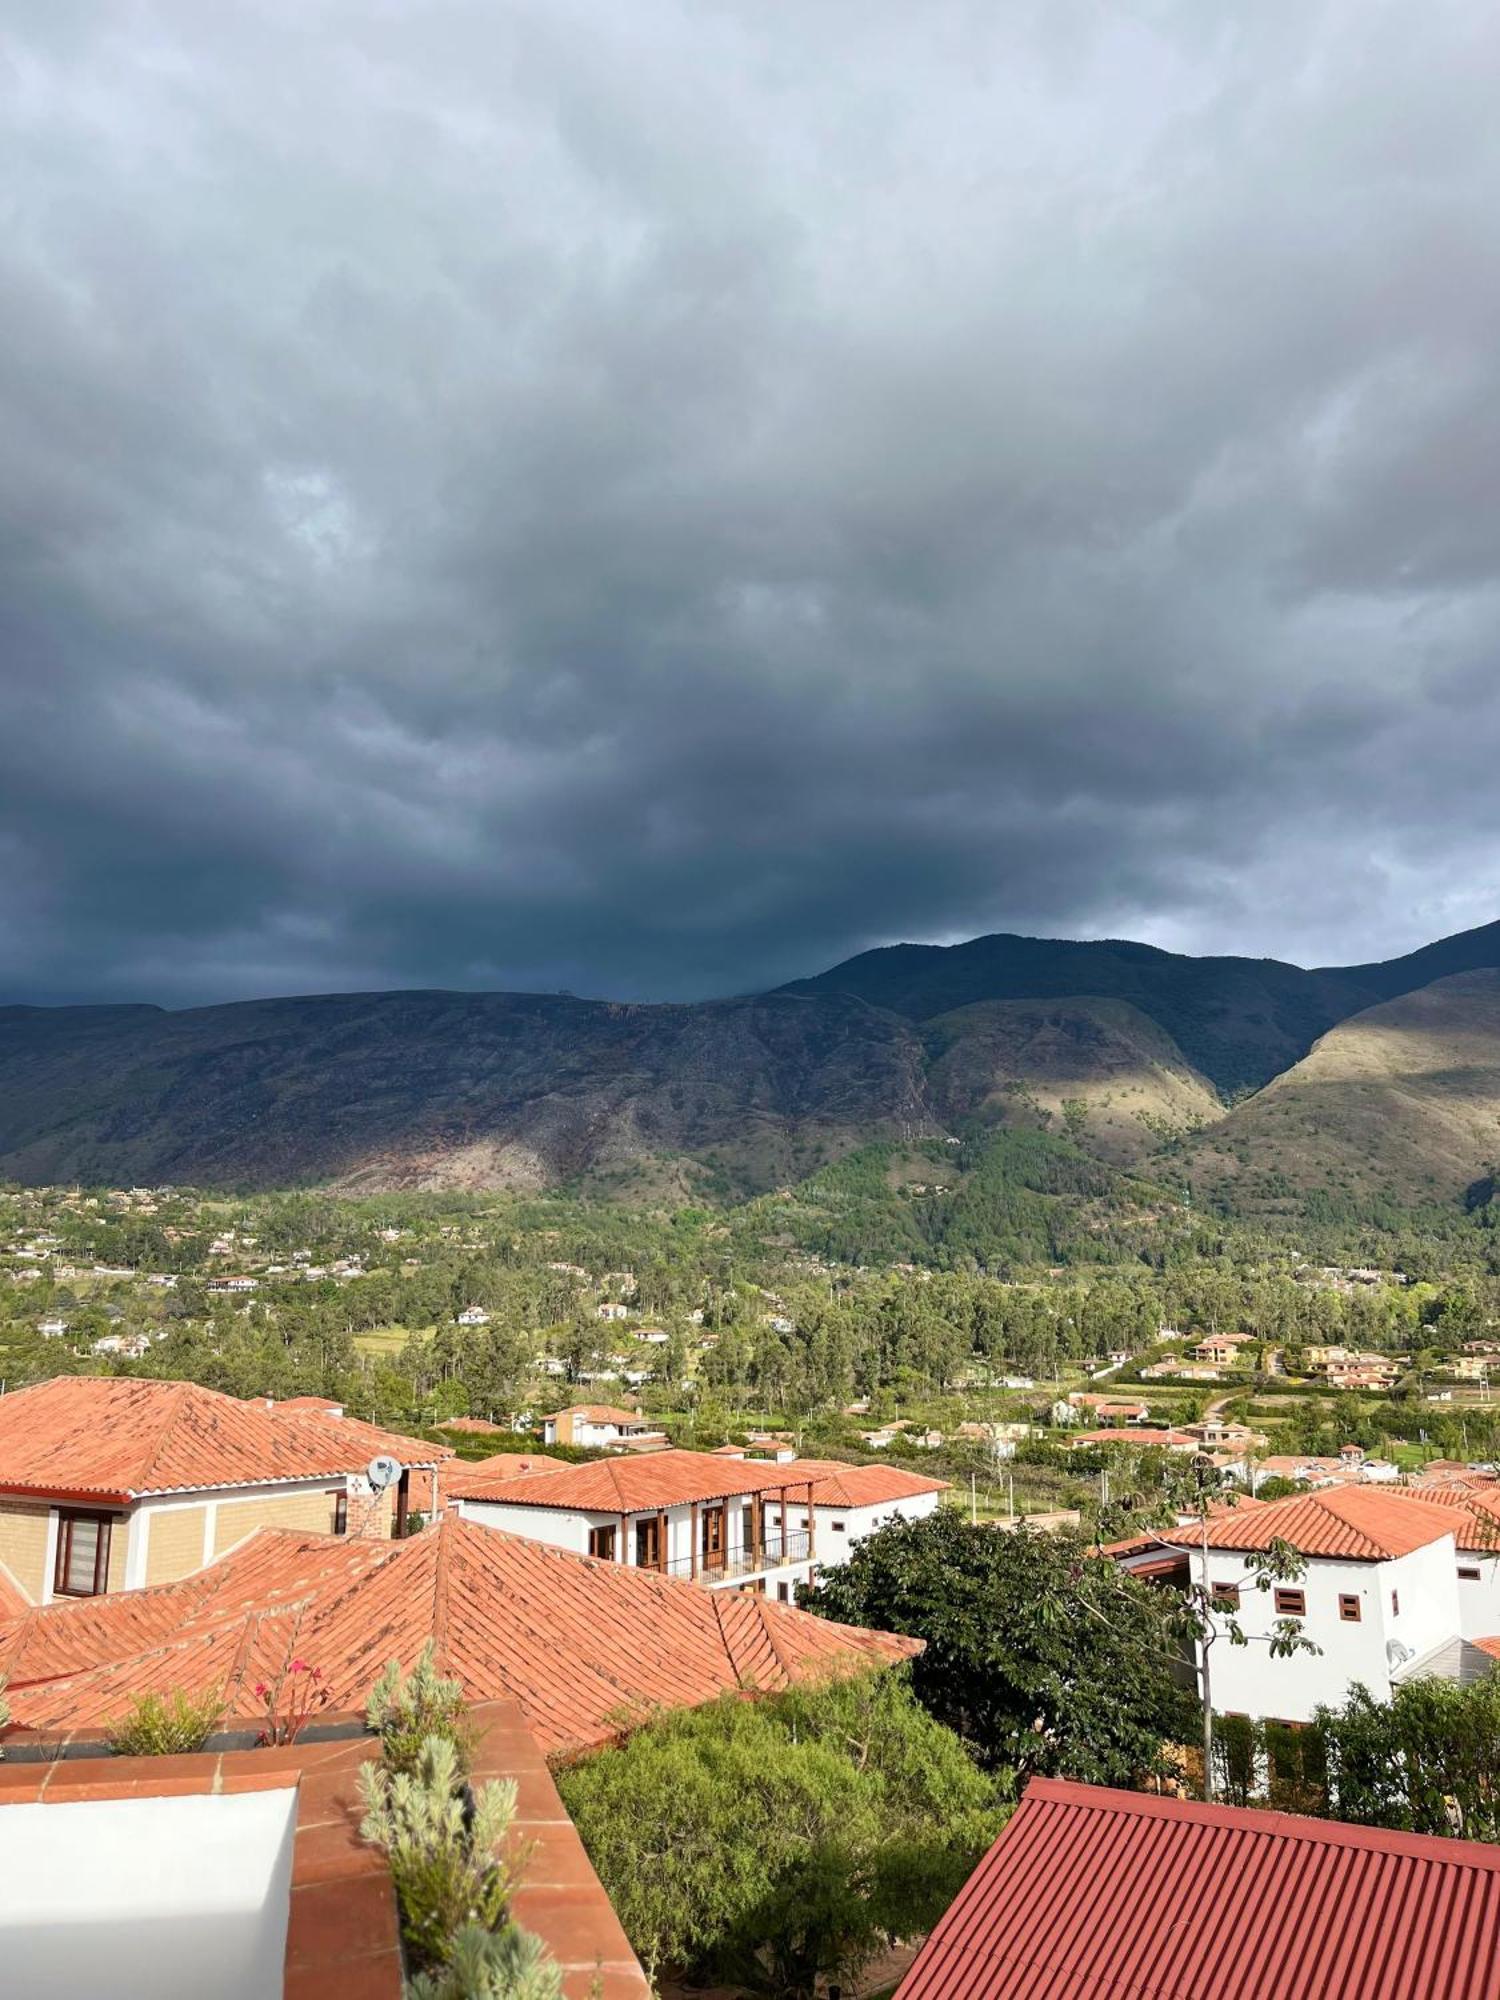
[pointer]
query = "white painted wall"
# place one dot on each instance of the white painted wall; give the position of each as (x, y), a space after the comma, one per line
(146, 1899)
(1247, 1680)
(1479, 1598)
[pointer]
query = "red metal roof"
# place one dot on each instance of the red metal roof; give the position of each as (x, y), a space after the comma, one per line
(115, 1438)
(1091, 1894)
(579, 1644)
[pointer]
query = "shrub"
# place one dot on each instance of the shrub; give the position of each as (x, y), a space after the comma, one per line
(779, 1841)
(490, 1965)
(441, 1841)
(404, 1711)
(166, 1726)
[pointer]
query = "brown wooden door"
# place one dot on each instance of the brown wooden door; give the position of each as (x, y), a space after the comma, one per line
(713, 1538)
(648, 1543)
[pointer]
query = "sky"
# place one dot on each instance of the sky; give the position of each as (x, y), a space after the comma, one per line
(650, 500)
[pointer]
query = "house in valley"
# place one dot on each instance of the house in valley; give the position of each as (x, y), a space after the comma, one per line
(108, 1485)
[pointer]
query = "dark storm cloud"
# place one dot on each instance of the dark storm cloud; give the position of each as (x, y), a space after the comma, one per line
(651, 499)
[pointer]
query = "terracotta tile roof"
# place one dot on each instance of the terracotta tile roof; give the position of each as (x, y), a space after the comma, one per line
(1138, 1434)
(471, 1426)
(478, 1477)
(660, 1479)
(600, 1413)
(1474, 1511)
(840, 1485)
(117, 1438)
(1357, 1523)
(1085, 1896)
(13, 1600)
(578, 1643)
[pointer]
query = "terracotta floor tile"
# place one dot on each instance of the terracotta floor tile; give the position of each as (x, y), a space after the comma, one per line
(332, 1853)
(373, 1977)
(341, 1919)
(578, 1928)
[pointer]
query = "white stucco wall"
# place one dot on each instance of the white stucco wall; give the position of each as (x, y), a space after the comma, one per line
(1247, 1680)
(1479, 1598)
(146, 1899)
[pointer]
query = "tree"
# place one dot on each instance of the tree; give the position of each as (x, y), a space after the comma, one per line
(775, 1841)
(1425, 1761)
(1041, 1655)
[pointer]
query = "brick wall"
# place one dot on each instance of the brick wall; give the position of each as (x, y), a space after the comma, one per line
(23, 1544)
(174, 1543)
(238, 1518)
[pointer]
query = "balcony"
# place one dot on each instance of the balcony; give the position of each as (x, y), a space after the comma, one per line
(774, 1552)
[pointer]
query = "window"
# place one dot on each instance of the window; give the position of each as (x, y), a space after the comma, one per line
(648, 1544)
(82, 1555)
(838, 1526)
(1349, 1608)
(1395, 1604)
(1291, 1603)
(1467, 1573)
(784, 1592)
(1226, 1596)
(341, 1512)
(602, 1543)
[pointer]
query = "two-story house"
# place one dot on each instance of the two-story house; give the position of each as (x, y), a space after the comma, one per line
(715, 1518)
(110, 1484)
(1380, 1596)
(717, 1521)
(596, 1425)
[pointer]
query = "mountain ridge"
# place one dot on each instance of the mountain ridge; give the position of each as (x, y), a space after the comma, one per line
(1126, 1047)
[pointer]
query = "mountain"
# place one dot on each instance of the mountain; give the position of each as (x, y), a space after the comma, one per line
(1100, 1070)
(1237, 1021)
(1134, 1052)
(1400, 1103)
(447, 1089)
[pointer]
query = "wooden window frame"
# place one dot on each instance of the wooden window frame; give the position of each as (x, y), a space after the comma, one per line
(341, 1511)
(648, 1534)
(603, 1541)
(67, 1519)
(1286, 1607)
(1224, 1596)
(1350, 1612)
(1395, 1604)
(1468, 1573)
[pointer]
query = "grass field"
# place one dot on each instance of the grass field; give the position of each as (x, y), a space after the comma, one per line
(386, 1342)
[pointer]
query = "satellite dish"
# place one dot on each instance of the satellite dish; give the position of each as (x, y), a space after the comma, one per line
(382, 1472)
(1396, 1654)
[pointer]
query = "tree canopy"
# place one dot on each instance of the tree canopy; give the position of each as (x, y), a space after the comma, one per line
(1041, 1656)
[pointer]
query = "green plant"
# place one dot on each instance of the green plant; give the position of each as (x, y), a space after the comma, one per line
(441, 1842)
(166, 1726)
(491, 1965)
(405, 1710)
(774, 1843)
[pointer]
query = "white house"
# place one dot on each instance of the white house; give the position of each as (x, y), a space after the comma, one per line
(594, 1425)
(712, 1520)
(718, 1520)
(852, 1501)
(473, 1316)
(1392, 1581)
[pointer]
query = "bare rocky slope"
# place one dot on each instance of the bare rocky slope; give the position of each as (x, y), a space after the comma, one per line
(1125, 1047)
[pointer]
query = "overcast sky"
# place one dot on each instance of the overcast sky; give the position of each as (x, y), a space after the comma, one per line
(652, 498)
